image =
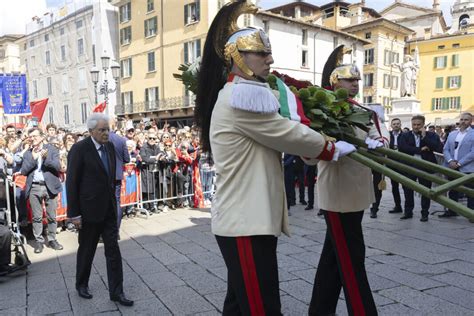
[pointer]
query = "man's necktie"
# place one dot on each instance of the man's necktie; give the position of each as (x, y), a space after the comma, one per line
(104, 158)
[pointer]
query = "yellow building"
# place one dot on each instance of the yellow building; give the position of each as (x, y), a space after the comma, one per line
(446, 76)
(155, 37)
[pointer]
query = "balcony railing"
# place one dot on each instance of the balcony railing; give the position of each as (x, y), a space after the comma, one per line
(167, 104)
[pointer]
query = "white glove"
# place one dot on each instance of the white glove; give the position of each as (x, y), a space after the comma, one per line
(343, 149)
(373, 143)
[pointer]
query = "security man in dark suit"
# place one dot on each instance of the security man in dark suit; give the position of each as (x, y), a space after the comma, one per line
(92, 206)
(395, 133)
(41, 166)
(419, 143)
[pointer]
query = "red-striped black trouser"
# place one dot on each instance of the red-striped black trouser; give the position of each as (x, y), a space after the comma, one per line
(342, 265)
(252, 275)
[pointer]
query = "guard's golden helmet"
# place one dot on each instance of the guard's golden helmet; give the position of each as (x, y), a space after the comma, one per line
(347, 71)
(247, 40)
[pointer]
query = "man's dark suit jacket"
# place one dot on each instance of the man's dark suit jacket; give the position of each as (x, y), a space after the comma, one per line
(90, 190)
(392, 139)
(50, 168)
(121, 154)
(407, 145)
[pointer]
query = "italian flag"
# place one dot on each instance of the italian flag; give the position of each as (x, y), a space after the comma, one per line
(290, 105)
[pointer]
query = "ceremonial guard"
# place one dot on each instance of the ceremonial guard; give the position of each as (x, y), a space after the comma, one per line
(239, 118)
(344, 190)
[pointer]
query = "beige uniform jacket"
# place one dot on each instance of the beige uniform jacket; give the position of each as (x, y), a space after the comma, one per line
(250, 196)
(346, 185)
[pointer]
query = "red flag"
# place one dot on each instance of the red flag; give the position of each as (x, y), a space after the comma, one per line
(38, 108)
(99, 107)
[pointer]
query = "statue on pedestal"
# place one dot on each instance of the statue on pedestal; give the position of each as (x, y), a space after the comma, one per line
(409, 71)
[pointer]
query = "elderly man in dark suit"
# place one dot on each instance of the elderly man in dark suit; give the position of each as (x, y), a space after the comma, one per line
(421, 144)
(92, 206)
(41, 166)
(121, 157)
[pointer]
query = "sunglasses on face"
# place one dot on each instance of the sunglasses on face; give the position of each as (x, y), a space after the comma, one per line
(152, 138)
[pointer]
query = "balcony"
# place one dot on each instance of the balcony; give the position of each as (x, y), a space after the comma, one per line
(182, 106)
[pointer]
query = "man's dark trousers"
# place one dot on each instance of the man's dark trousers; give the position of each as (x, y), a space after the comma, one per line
(410, 197)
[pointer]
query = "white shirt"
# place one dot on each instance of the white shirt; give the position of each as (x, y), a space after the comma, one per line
(395, 138)
(97, 146)
(459, 139)
(417, 142)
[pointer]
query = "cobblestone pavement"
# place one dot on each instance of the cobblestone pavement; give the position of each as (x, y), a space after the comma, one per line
(172, 265)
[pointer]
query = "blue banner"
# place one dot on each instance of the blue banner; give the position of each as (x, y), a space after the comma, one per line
(14, 95)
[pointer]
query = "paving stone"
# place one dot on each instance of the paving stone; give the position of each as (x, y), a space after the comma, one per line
(186, 269)
(170, 257)
(44, 267)
(369, 251)
(465, 246)
(420, 268)
(403, 277)
(188, 247)
(49, 302)
(286, 276)
(378, 283)
(205, 283)
(309, 257)
(291, 264)
(460, 280)
(17, 311)
(99, 303)
(288, 249)
(209, 313)
(162, 280)
(299, 289)
(10, 299)
(381, 300)
(430, 237)
(307, 274)
(137, 253)
(389, 258)
(95, 283)
(397, 309)
(16, 281)
(463, 255)
(217, 299)
(145, 266)
(194, 303)
(454, 295)
(424, 303)
(301, 241)
(150, 306)
(292, 307)
(459, 266)
(207, 259)
(46, 282)
(220, 272)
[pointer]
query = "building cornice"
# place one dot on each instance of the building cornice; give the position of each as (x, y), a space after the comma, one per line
(408, 6)
(383, 22)
(440, 37)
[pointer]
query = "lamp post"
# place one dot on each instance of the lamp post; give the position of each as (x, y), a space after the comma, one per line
(104, 86)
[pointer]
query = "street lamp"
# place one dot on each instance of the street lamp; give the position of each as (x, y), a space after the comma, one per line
(104, 86)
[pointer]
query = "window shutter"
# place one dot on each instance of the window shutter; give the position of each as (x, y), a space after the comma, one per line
(433, 100)
(198, 10)
(434, 62)
(445, 63)
(185, 14)
(445, 104)
(459, 83)
(145, 28)
(459, 102)
(131, 97)
(130, 67)
(186, 53)
(198, 48)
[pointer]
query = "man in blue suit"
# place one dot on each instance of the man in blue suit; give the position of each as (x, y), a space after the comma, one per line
(459, 155)
(421, 144)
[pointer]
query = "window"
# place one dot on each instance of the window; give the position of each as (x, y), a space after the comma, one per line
(127, 98)
(455, 60)
(61, 31)
(151, 61)
(65, 83)
(390, 82)
(32, 43)
(436, 104)
(439, 83)
(454, 103)
(247, 20)
(386, 101)
(49, 84)
(46, 37)
(78, 24)
(441, 47)
(51, 114)
(150, 5)
(48, 57)
(82, 78)
(150, 27)
(151, 96)
(35, 89)
(304, 58)
(368, 99)
(456, 45)
(66, 114)
(83, 112)
(125, 35)
(390, 57)
(192, 50)
(386, 81)
(126, 68)
(394, 82)
(368, 80)
(125, 12)
(448, 103)
(440, 62)
(191, 13)
(304, 37)
(80, 46)
(368, 35)
(454, 82)
(266, 26)
(63, 53)
(33, 62)
(369, 56)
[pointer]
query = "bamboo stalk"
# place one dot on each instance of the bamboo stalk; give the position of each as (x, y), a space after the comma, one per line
(401, 156)
(452, 184)
(452, 205)
(414, 171)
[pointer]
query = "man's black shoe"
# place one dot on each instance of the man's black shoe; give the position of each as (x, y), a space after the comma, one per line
(122, 300)
(39, 247)
(424, 218)
(320, 213)
(406, 216)
(447, 214)
(373, 214)
(55, 245)
(303, 202)
(396, 209)
(308, 208)
(83, 292)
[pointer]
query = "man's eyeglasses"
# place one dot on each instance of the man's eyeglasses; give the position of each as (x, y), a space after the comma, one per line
(152, 138)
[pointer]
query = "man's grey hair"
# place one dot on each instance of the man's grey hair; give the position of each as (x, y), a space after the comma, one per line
(94, 118)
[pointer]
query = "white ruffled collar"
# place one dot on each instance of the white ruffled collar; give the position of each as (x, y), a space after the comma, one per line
(253, 96)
